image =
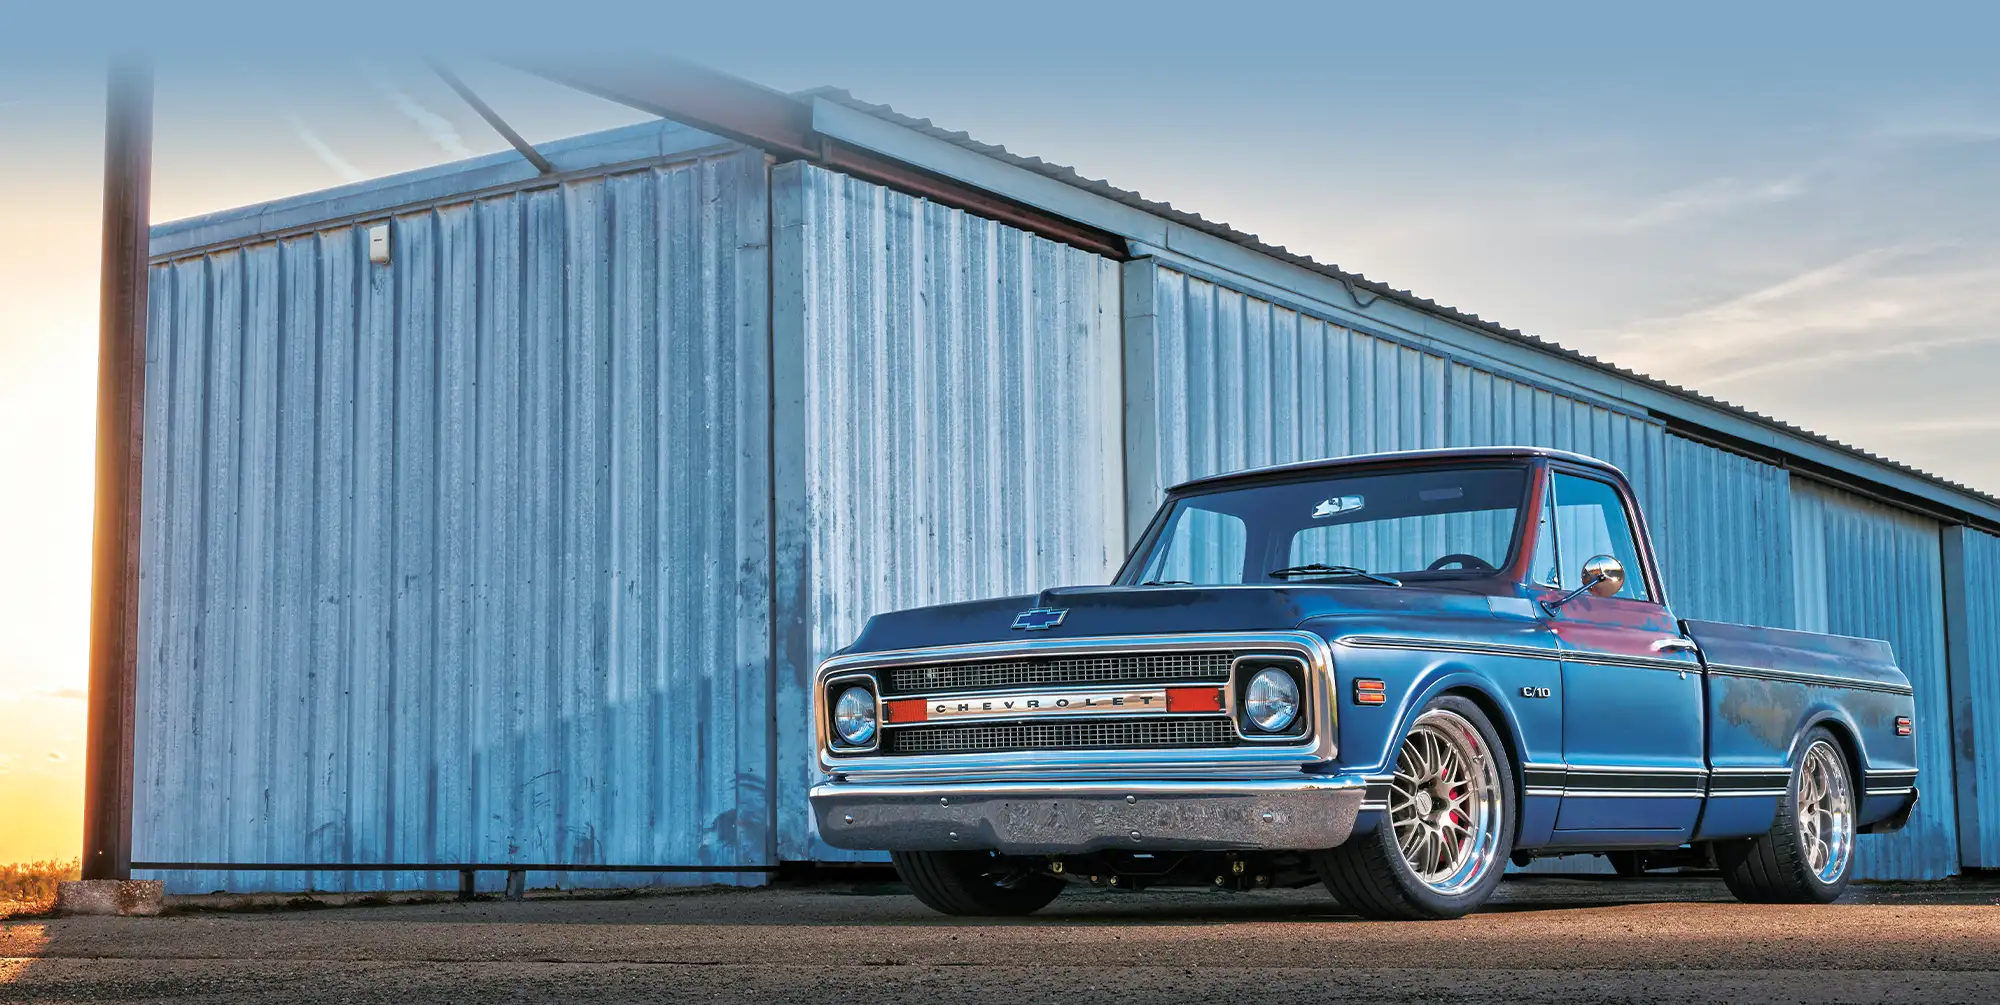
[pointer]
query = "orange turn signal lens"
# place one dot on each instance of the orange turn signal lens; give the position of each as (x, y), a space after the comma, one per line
(1370, 692)
(1194, 699)
(904, 710)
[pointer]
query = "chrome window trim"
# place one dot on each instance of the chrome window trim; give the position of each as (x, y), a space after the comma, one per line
(1286, 754)
(1635, 526)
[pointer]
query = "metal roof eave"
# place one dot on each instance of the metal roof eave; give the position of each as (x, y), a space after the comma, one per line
(1470, 336)
(640, 143)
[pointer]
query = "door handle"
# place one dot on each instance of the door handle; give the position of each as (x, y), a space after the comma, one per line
(1676, 645)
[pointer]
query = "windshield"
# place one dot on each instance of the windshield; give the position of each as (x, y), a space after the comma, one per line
(1420, 523)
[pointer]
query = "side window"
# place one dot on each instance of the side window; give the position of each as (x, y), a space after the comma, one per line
(1204, 547)
(1546, 569)
(1590, 520)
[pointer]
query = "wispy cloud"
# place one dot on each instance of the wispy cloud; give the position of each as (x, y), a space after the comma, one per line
(56, 756)
(1916, 127)
(1879, 303)
(437, 127)
(64, 693)
(1712, 197)
(327, 155)
(1950, 425)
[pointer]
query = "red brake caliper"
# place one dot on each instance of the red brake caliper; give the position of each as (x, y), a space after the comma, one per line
(1457, 820)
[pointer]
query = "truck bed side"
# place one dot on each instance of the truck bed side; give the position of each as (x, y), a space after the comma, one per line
(1766, 687)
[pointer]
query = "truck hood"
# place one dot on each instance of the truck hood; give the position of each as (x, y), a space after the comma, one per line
(1096, 611)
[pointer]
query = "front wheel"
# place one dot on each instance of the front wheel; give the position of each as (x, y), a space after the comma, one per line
(975, 883)
(1442, 845)
(1808, 856)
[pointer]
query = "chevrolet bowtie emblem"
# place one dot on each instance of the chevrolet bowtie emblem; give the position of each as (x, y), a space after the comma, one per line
(1040, 619)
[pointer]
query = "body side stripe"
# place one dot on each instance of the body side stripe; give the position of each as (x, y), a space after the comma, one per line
(1520, 652)
(1614, 659)
(1800, 677)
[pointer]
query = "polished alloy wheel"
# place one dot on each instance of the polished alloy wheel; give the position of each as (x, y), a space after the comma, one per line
(1826, 811)
(1445, 802)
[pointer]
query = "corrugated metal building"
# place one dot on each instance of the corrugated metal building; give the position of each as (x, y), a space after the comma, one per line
(518, 548)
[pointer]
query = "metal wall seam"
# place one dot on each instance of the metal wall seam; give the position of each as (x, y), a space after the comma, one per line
(1728, 528)
(961, 407)
(1863, 568)
(1972, 590)
(465, 558)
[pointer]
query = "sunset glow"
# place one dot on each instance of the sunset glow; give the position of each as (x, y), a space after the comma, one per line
(1821, 273)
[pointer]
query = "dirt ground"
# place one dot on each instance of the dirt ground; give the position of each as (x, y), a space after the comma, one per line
(1545, 939)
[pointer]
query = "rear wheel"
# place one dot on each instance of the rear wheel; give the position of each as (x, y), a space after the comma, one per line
(1808, 856)
(975, 883)
(1441, 848)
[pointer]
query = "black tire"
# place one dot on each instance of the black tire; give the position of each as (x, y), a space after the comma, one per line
(1627, 864)
(1370, 873)
(975, 883)
(1774, 868)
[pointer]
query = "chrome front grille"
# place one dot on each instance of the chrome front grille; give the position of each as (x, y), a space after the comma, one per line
(1120, 667)
(1175, 731)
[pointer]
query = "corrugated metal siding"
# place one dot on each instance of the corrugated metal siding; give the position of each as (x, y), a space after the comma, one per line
(1862, 568)
(1728, 526)
(464, 558)
(961, 420)
(1238, 382)
(1490, 410)
(1979, 736)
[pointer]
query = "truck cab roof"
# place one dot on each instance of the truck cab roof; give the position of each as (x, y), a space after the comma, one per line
(1393, 458)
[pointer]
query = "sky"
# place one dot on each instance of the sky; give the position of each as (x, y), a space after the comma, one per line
(1795, 207)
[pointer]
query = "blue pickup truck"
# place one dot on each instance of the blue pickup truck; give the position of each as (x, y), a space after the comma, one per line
(1389, 674)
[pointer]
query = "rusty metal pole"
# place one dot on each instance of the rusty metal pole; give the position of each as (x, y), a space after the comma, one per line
(121, 382)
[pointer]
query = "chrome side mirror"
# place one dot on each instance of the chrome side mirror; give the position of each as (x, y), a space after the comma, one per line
(1602, 575)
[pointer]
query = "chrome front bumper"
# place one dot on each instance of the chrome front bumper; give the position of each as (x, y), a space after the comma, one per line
(1069, 818)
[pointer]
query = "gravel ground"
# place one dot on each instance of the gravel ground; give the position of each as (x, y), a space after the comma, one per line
(1544, 939)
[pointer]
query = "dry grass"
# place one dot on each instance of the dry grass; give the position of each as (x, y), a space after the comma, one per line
(29, 887)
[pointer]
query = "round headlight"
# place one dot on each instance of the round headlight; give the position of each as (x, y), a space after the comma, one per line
(854, 716)
(1272, 700)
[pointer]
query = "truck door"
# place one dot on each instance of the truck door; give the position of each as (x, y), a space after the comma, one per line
(1633, 740)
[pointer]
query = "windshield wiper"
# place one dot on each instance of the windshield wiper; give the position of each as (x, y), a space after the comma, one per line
(1167, 582)
(1322, 569)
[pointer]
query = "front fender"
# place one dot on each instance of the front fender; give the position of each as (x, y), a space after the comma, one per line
(1530, 726)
